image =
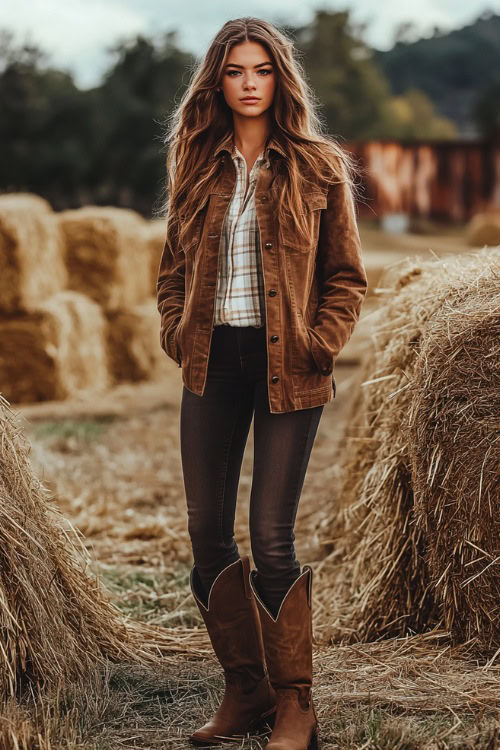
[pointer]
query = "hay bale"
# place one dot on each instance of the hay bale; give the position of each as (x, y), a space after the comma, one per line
(402, 535)
(107, 254)
(31, 252)
(376, 263)
(454, 448)
(133, 340)
(31, 201)
(484, 229)
(156, 235)
(55, 351)
(56, 621)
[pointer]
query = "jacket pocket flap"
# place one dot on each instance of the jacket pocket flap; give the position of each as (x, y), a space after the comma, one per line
(315, 200)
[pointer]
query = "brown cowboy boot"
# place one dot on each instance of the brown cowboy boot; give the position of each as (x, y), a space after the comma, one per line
(233, 624)
(288, 649)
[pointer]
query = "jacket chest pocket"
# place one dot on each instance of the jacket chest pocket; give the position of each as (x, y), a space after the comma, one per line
(290, 238)
(195, 231)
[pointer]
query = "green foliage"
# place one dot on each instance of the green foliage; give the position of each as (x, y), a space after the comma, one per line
(351, 88)
(99, 146)
(486, 110)
(412, 116)
(453, 69)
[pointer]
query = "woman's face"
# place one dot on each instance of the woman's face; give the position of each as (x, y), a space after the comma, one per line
(249, 72)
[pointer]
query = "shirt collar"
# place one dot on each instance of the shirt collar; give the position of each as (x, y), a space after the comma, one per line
(262, 158)
(227, 145)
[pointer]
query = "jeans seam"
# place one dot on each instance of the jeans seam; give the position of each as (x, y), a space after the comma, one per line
(224, 476)
(304, 450)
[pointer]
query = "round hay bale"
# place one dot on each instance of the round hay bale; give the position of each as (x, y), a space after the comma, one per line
(156, 232)
(31, 252)
(107, 254)
(55, 351)
(56, 621)
(484, 229)
(133, 340)
(454, 447)
(388, 564)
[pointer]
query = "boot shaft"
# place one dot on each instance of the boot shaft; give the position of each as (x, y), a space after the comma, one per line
(288, 636)
(232, 620)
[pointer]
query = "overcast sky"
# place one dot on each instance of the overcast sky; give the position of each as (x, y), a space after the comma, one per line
(76, 32)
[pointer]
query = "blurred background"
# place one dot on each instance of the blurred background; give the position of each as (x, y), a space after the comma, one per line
(84, 88)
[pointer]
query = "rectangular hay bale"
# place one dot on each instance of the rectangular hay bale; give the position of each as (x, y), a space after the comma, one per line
(31, 253)
(106, 254)
(54, 352)
(133, 341)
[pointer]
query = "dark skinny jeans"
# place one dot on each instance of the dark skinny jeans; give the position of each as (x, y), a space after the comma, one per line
(213, 434)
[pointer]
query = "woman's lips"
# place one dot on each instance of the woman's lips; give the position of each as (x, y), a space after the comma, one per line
(250, 101)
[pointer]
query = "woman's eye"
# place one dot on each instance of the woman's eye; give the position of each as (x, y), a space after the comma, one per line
(266, 72)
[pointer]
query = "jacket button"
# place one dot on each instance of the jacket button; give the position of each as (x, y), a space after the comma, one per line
(274, 338)
(268, 245)
(274, 379)
(273, 292)
(263, 199)
(327, 370)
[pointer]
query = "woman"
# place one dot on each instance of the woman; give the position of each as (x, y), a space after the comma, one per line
(260, 286)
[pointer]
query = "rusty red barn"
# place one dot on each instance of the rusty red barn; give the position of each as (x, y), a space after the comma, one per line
(442, 180)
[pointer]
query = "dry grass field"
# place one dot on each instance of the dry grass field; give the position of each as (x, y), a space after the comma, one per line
(111, 463)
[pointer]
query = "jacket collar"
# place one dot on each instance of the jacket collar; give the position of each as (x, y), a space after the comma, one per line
(227, 145)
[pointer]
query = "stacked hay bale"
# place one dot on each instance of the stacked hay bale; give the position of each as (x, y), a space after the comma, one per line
(31, 253)
(108, 256)
(52, 342)
(134, 351)
(77, 303)
(56, 621)
(55, 351)
(105, 257)
(417, 538)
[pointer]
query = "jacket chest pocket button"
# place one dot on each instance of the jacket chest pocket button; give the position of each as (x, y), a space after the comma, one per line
(273, 292)
(274, 338)
(275, 379)
(268, 245)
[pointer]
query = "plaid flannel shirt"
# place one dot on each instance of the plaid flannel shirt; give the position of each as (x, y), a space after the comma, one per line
(240, 283)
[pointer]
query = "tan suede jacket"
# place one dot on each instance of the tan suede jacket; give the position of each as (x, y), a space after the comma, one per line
(314, 290)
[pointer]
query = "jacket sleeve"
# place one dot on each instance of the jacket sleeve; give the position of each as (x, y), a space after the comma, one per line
(170, 293)
(341, 276)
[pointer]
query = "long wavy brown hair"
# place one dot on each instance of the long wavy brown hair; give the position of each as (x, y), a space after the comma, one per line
(203, 119)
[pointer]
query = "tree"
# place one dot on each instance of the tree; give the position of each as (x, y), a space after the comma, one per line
(343, 74)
